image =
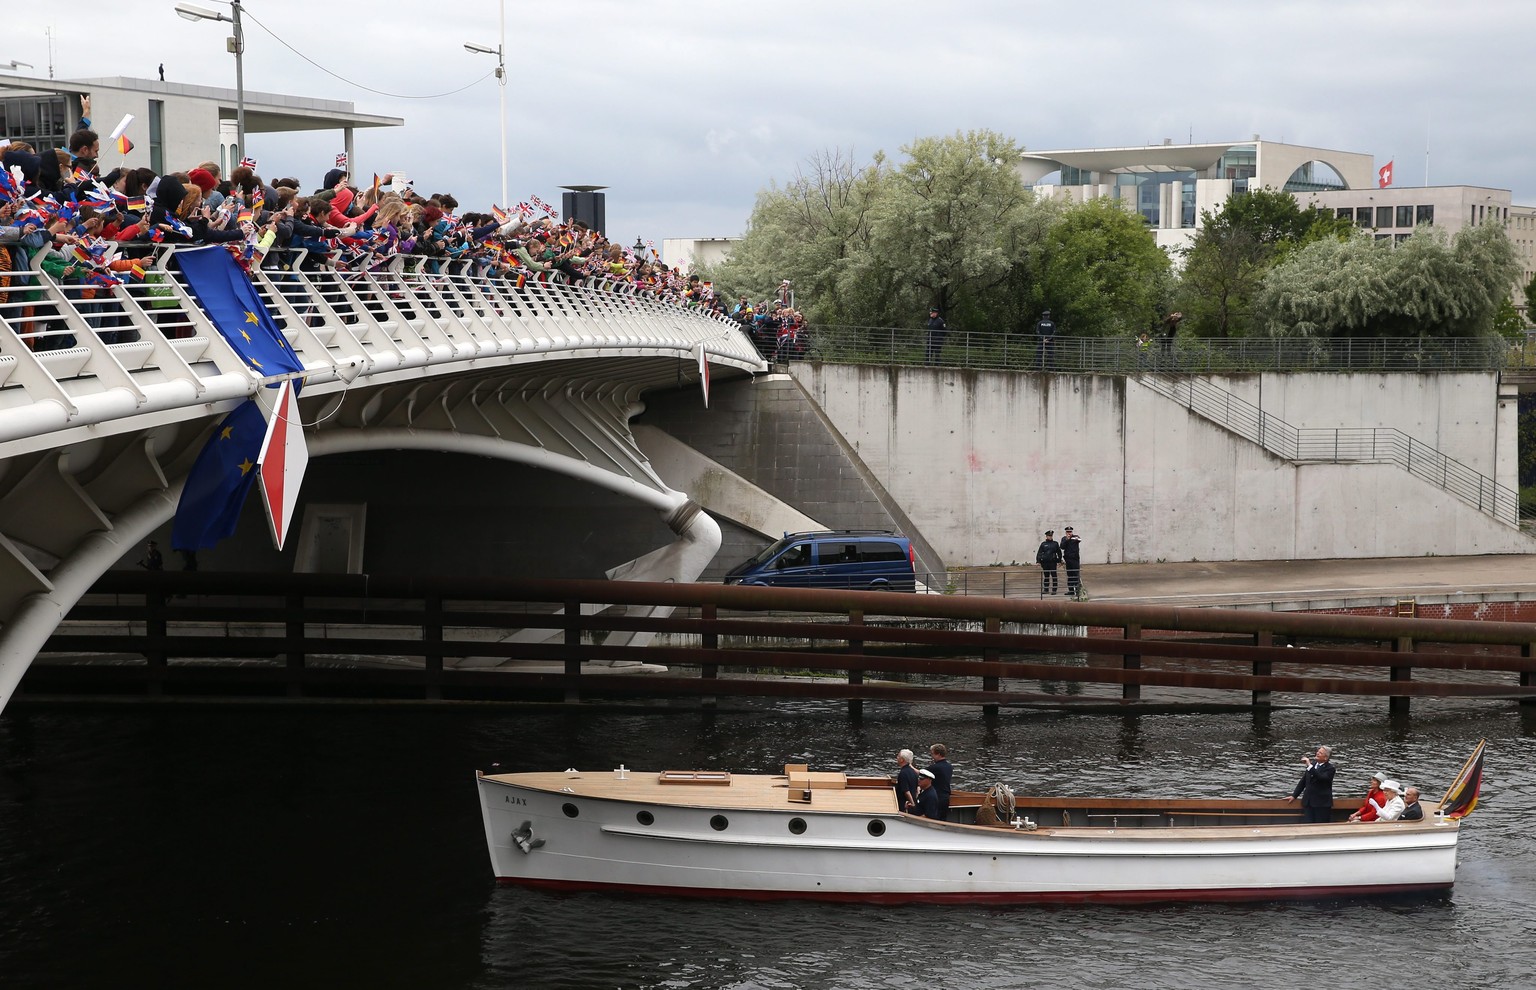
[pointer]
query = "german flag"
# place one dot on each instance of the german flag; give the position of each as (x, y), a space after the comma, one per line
(1461, 797)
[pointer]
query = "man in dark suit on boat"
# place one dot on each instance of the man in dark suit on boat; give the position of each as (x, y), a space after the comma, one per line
(1315, 788)
(927, 799)
(906, 781)
(943, 774)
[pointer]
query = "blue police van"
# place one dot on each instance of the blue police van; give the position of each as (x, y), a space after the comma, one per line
(857, 559)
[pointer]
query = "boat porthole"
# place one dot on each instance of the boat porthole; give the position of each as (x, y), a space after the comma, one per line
(719, 823)
(645, 818)
(877, 828)
(570, 810)
(797, 826)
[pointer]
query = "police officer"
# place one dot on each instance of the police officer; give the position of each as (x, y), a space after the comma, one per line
(1049, 558)
(937, 331)
(1045, 336)
(1069, 556)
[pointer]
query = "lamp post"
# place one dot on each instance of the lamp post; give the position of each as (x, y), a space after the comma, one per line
(501, 80)
(13, 65)
(236, 46)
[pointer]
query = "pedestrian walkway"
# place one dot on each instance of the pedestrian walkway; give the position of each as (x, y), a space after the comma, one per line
(1292, 584)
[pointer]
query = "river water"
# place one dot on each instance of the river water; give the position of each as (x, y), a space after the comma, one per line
(342, 847)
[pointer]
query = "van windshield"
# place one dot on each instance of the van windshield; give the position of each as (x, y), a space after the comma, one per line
(768, 552)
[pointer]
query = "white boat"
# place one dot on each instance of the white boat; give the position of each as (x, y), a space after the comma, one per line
(831, 836)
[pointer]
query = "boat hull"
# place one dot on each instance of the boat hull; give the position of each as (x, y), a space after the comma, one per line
(578, 841)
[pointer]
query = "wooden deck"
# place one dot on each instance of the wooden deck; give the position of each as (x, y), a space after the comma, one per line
(857, 795)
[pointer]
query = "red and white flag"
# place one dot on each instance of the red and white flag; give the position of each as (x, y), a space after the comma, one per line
(248, 162)
(341, 160)
(703, 375)
(1384, 176)
(282, 461)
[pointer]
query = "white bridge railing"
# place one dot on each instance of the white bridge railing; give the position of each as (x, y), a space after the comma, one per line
(75, 355)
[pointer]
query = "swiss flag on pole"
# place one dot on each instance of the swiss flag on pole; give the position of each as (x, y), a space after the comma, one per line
(1384, 176)
(282, 461)
(704, 374)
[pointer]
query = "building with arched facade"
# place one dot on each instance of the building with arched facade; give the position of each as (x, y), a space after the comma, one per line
(1170, 185)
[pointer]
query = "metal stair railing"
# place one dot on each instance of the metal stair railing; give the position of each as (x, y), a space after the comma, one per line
(1359, 445)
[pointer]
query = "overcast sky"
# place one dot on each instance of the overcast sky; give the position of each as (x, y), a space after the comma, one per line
(685, 110)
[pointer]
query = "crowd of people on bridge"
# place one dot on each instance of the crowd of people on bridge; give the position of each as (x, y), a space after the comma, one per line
(94, 230)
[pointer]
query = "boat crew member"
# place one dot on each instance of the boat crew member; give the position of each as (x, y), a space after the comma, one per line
(1412, 811)
(943, 773)
(906, 781)
(1391, 809)
(927, 799)
(1315, 788)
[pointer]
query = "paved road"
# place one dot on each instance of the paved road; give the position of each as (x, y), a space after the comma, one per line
(1319, 583)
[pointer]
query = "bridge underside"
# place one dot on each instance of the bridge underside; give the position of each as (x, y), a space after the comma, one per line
(67, 515)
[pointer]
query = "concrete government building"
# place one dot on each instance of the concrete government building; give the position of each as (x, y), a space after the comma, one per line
(1171, 185)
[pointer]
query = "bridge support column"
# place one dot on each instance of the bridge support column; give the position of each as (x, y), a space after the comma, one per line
(1527, 651)
(855, 648)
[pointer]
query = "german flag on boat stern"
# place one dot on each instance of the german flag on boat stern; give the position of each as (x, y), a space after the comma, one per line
(1461, 797)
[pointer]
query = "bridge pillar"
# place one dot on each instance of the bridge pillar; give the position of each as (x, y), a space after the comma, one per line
(1131, 661)
(1262, 668)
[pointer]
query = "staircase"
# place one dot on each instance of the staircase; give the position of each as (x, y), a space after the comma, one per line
(1365, 445)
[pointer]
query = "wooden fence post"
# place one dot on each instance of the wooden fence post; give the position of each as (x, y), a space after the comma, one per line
(1131, 661)
(993, 625)
(293, 632)
(855, 648)
(572, 652)
(709, 640)
(432, 644)
(1397, 704)
(1262, 668)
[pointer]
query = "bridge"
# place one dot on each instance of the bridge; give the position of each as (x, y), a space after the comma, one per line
(107, 397)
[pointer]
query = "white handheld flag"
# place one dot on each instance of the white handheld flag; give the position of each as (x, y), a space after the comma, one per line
(122, 126)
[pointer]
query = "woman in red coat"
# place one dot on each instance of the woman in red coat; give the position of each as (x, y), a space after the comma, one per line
(1367, 812)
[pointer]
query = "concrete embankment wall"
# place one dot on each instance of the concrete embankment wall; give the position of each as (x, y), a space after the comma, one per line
(984, 462)
(768, 433)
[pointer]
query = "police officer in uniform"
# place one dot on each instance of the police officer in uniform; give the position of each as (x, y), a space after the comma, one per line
(1049, 558)
(1074, 562)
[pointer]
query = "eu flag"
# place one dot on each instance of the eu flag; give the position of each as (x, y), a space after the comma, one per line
(220, 478)
(236, 309)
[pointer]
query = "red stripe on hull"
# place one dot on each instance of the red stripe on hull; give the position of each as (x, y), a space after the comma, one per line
(1224, 895)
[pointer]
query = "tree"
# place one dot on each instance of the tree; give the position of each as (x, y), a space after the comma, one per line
(1530, 300)
(1235, 249)
(947, 226)
(1425, 286)
(809, 232)
(1102, 273)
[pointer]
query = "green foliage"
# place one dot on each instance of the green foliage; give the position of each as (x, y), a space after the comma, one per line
(1359, 286)
(1101, 270)
(1507, 322)
(1530, 300)
(950, 226)
(1225, 266)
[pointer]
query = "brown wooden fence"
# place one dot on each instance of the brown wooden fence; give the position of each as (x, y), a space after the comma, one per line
(367, 636)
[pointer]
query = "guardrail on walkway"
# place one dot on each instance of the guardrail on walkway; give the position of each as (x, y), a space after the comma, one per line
(1382, 445)
(856, 646)
(74, 355)
(987, 350)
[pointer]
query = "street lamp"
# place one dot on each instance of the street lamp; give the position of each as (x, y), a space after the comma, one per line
(236, 45)
(13, 65)
(501, 80)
